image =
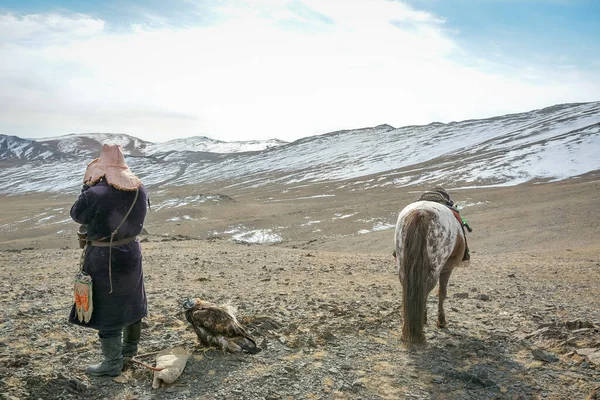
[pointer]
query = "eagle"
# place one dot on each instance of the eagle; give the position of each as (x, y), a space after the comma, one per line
(217, 326)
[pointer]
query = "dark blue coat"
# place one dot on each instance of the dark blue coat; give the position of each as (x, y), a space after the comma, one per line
(102, 208)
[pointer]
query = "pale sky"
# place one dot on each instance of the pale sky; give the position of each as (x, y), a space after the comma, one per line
(286, 69)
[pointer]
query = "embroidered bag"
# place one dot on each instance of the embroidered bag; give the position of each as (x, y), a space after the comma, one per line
(83, 293)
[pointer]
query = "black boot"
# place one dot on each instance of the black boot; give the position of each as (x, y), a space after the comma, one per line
(131, 338)
(113, 360)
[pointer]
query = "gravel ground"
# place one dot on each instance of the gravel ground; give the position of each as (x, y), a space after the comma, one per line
(523, 317)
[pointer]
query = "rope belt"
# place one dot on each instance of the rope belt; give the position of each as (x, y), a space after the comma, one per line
(114, 243)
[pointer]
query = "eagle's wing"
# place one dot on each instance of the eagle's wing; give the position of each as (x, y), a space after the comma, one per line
(211, 322)
(216, 321)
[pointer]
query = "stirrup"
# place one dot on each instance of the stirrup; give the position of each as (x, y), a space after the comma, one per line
(467, 255)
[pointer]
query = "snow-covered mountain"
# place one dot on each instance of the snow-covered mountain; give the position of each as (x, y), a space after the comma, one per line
(14, 149)
(208, 145)
(88, 145)
(557, 142)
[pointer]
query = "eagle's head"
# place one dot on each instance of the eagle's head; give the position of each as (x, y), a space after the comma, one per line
(189, 303)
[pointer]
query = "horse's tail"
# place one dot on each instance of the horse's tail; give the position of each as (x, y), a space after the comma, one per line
(416, 267)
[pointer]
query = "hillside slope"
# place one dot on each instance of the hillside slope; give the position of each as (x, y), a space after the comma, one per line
(553, 143)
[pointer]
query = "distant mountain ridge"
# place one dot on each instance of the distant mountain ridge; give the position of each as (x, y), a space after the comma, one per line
(554, 143)
(88, 145)
(208, 145)
(14, 148)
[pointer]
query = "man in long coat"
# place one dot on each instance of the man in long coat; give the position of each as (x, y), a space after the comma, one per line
(110, 191)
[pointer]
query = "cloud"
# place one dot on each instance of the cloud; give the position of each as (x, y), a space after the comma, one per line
(263, 69)
(37, 29)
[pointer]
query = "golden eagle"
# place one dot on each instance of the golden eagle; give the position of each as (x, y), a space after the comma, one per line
(217, 326)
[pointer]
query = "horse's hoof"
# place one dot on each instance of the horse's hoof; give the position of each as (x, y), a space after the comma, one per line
(442, 324)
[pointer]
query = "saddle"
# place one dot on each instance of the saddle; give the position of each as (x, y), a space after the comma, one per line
(439, 198)
(436, 197)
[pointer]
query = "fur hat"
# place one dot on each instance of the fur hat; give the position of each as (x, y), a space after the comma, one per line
(111, 165)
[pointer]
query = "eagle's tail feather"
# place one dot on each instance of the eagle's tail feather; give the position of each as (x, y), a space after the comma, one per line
(248, 345)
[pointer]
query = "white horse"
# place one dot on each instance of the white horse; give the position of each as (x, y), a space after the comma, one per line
(430, 242)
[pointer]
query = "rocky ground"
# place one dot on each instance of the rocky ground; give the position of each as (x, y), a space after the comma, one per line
(523, 315)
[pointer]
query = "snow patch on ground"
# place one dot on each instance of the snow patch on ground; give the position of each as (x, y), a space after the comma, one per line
(307, 197)
(311, 223)
(340, 216)
(379, 226)
(258, 236)
(382, 227)
(184, 217)
(64, 221)
(186, 201)
(461, 204)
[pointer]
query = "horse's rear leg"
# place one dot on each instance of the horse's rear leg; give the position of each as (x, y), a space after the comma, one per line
(444, 277)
